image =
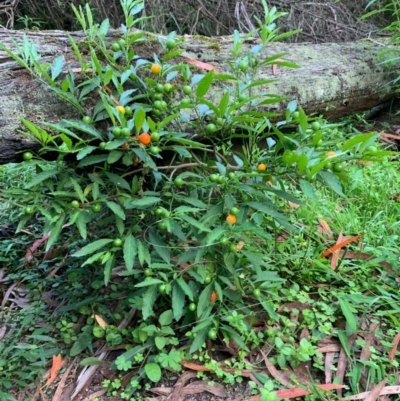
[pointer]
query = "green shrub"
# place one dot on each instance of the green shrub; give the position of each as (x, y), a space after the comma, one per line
(187, 193)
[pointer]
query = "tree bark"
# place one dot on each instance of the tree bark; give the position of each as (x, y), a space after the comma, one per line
(333, 79)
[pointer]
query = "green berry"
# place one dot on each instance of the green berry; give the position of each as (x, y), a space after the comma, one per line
(159, 88)
(27, 156)
(211, 128)
(102, 145)
(315, 126)
(235, 211)
(29, 210)
(212, 334)
(187, 90)
(154, 150)
(171, 44)
(214, 177)
(125, 132)
(116, 131)
(117, 242)
(87, 119)
(179, 182)
(192, 307)
(115, 46)
(155, 136)
(96, 208)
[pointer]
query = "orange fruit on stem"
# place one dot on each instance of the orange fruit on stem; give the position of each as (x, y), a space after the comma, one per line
(261, 167)
(231, 219)
(213, 297)
(144, 138)
(155, 68)
(330, 154)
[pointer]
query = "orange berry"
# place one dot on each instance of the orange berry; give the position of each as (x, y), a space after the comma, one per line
(155, 68)
(213, 296)
(231, 219)
(261, 167)
(330, 154)
(121, 109)
(144, 138)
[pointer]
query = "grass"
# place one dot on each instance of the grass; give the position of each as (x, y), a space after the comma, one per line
(354, 303)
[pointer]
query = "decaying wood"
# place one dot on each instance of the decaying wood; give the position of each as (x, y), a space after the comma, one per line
(333, 80)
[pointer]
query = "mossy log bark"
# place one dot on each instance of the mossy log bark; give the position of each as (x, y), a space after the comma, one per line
(333, 80)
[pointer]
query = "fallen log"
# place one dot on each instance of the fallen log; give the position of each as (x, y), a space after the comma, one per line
(334, 79)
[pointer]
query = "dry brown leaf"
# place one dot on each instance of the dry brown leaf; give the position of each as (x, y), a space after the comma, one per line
(92, 396)
(329, 358)
(393, 350)
(201, 64)
(324, 228)
(294, 305)
(342, 362)
(369, 341)
(281, 376)
(300, 392)
(340, 245)
(374, 394)
(385, 391)
(57, 363)
(328, 348)
(335, 254)
(199, 386)
(100, 321)
(60, 394)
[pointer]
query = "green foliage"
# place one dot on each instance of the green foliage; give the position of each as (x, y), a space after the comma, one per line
(178, 208)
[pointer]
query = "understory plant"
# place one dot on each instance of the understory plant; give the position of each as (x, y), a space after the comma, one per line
(179, 180)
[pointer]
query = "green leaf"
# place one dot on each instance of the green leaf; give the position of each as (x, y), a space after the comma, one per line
(148, 282)
(116, 209)
(214, 235)
(357, 139)
(142, 203)
(195, 223)
(91, 361)
(351, 318)
(144, 254)
(84, 151)
(204, 299)
(114, 156)
(44, 175)
(55, 232)
(205, 83)
(200, 338)
(95, 159)
(92, 247)
(160, 342)
(56, 67)
(332, 181)
(81, 126)
(148, 301)
(166, 318)
(110, 264)
(83, 341)
(185, 288)
(139, 118)
(264, 208)
(153, 372)
(307, 189)
(178, 301)
(118, 181)
(160, 246)
(130, 251)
